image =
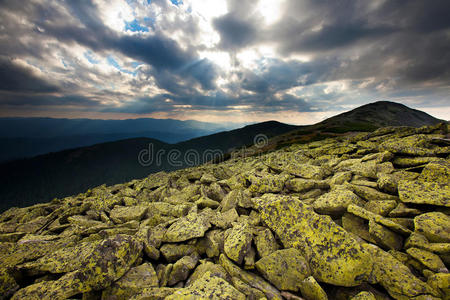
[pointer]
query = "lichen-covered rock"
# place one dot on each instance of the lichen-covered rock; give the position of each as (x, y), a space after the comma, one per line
(436, 171)
(370, 194)
(8, 284)
(247, 290)
(207, 266)
(336, 202)
(364, 296)
(136, 279)
(123, 214)
(395, 277)
(440, 281)
(249, 278)
(265, 242)
(267, 183)
(208, 287)
(418, 192)
(109, 261)
(365, 214)
(401, 210)
(237, 241)
(284, 268)
(384, 237)
(435, 226)
(319, 238)
(311, 290)
(428, 259)
(380, 207)
(181, 269)
(186, 228)
(301, 185)
(172, 252)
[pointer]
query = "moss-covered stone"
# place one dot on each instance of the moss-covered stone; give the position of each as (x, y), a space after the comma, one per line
(435, 226)
(237, 241)
(319, 238)
(284, 268)
(436, 171)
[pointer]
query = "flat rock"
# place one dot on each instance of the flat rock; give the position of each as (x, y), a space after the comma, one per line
(186, 228)
(336, 202)
(419, 192)
(435, 226)
(123, 214)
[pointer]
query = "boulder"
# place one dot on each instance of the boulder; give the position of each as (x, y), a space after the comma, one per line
(186, 228)
(318, 238)
(336, 202)
(428, 259)
(123, 214)
(208, 287)
(265, 242)
(311, 290)
(422, 192)
(109, 261)
(237, 241)
(284, 268)
(251, 279)
(132, 283)
(435, 226)
(182, 268)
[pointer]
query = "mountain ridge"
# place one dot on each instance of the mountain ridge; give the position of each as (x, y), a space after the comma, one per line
(21, 187)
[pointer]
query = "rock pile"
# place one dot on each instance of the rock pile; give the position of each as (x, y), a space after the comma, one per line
(359, 217)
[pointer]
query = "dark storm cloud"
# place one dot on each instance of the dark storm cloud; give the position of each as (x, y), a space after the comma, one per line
(377, 47)
(15, 78)
(235, 32)
(21, 99)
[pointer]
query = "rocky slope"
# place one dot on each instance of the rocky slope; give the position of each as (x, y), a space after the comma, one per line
(358, 217)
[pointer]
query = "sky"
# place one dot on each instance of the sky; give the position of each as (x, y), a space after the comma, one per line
(295, 61)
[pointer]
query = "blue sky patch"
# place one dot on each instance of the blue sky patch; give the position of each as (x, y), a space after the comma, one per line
(90, 57)
(113, 62)
(135, 26)
(176, 2)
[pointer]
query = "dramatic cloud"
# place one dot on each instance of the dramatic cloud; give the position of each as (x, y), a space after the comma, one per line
(292, 60)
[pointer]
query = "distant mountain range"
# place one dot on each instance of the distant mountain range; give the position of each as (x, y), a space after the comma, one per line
(39, 179)
(27, 137)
